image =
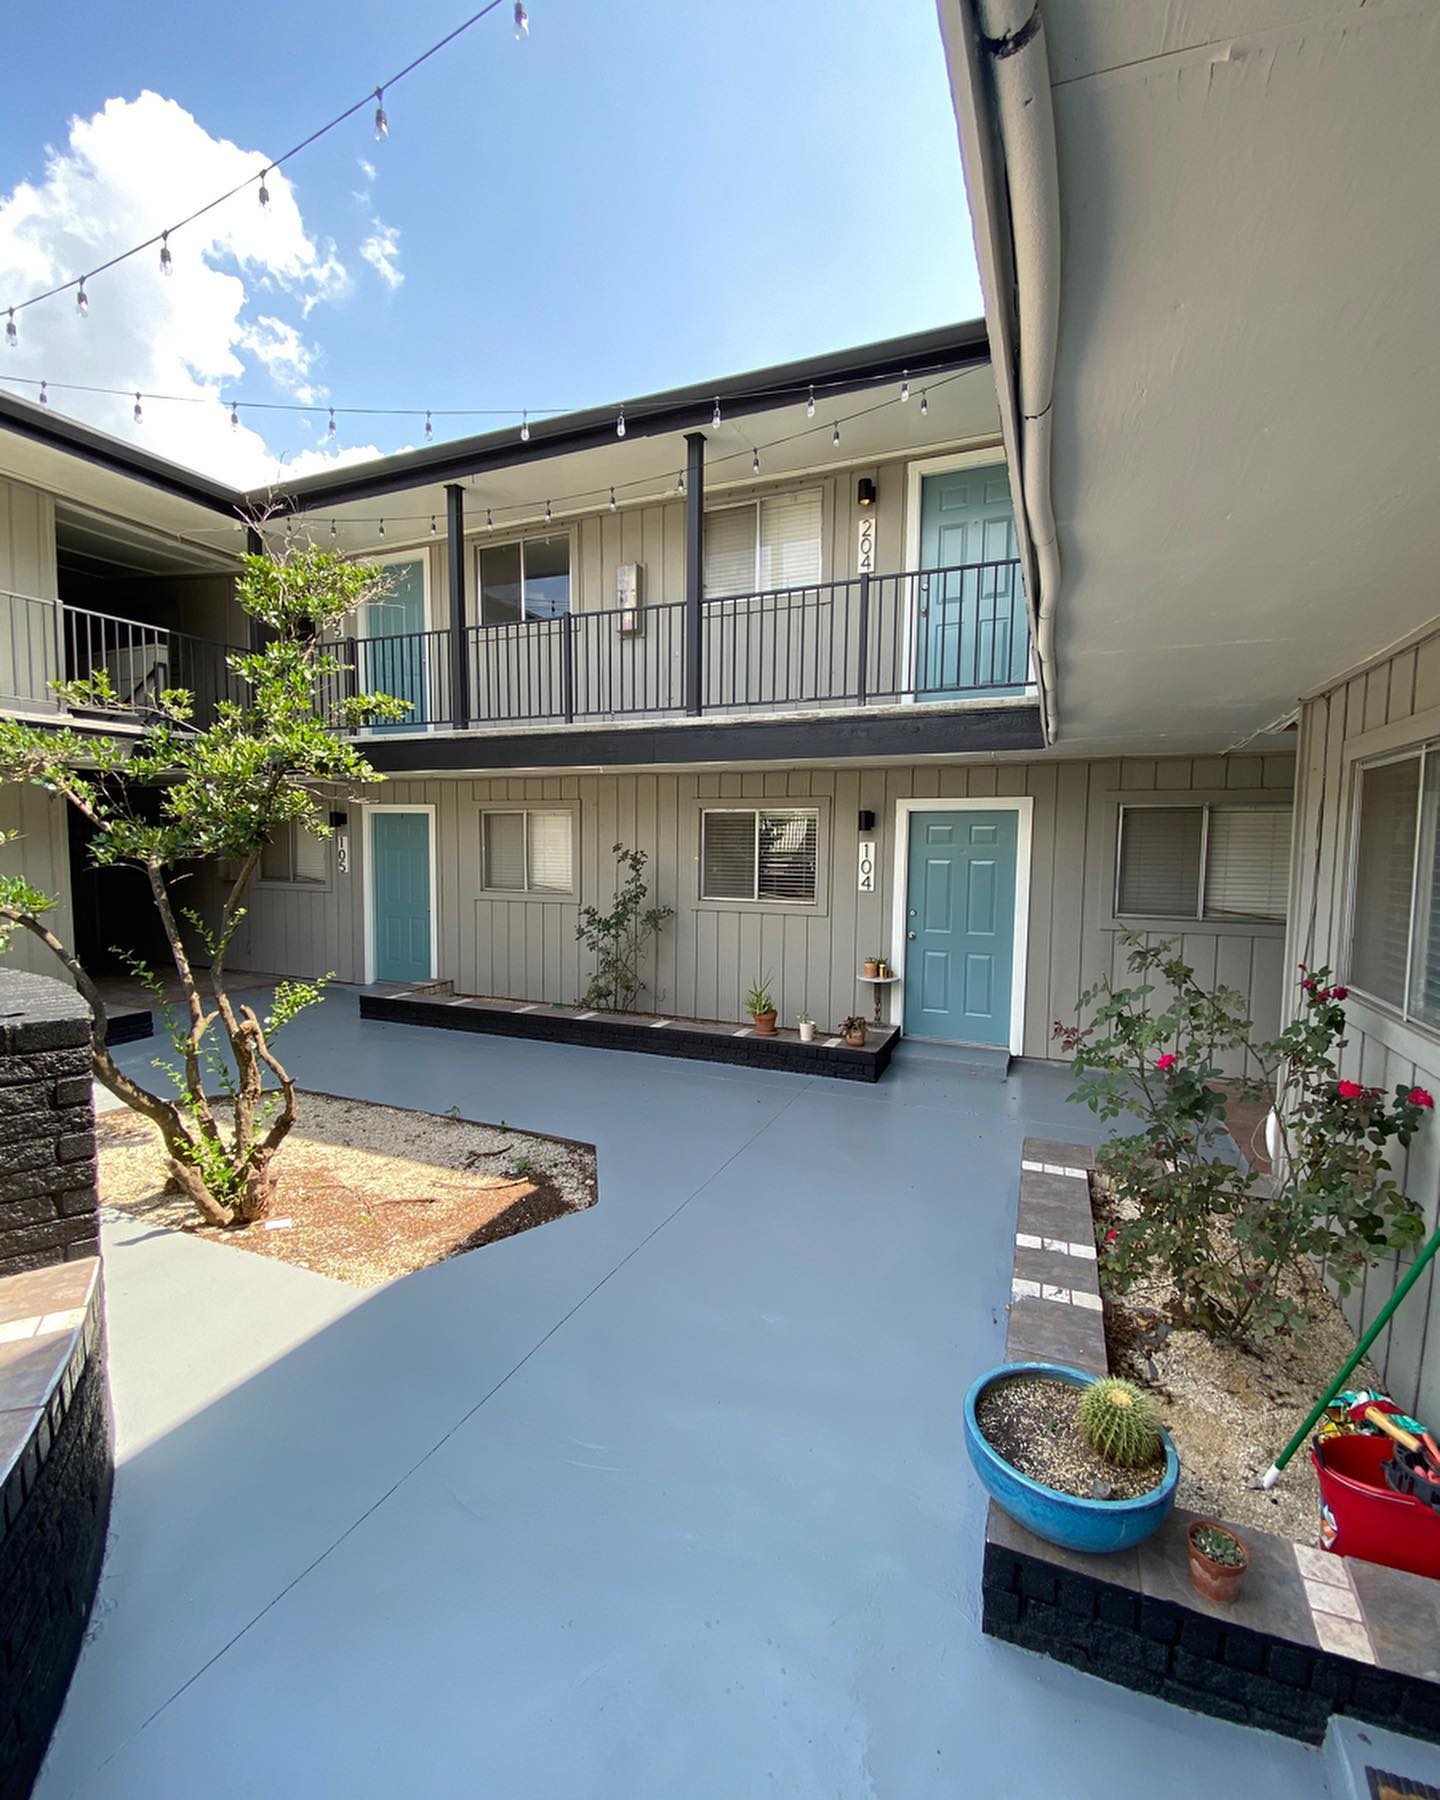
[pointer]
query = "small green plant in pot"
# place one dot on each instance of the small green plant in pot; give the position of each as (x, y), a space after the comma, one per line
(760, 1004)
(1218, 1560)
(805, 1025)
(852, 1029)
(1120, 1423)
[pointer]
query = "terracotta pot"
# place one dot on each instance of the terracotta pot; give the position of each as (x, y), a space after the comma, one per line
(1213, 1581)
(856, 1039)
(872, 969)
(764, 1024)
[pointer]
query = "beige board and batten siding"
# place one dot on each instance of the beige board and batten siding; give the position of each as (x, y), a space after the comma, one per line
(524, 948)
(28, 581)
(1389, 707)
(40, 851)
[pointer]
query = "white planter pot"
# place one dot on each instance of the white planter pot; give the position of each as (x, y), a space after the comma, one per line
(807, 1031)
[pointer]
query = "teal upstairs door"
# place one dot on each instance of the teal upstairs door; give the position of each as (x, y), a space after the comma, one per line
(960, 925)
(400, 878)
(971, 630)
(392, 655)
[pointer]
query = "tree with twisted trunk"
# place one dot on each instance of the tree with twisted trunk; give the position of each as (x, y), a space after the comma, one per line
(271, 761)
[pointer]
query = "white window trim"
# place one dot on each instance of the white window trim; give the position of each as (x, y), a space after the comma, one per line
(1388, 1009)
(1023, 805)
(368, 878)
(530, 896)
(1180, 801)
(753, 505)
(502, 540)
(759, 901)
(299, 884)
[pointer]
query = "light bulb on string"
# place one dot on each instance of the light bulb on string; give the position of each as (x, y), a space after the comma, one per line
(429, 430)
(333, 532)
(810, 403)
(548, 514)
(382, 124)
(489, 519)
(234, 416)
(904, 386)
(835, 435)
(620, 424)
(680, 482)
(264, 194)
(82, 300)
(715, 416)
(330, 428)
(44, 397)
(167, 261)
(612, 499)
(12, 334)
(524, 428)
(289, 527)
(924, 403)
(522, 23)
(138, 415)
(432, 524)
(755, 463)
(382, 528)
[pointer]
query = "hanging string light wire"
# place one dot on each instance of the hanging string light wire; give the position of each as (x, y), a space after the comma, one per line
(371, 95)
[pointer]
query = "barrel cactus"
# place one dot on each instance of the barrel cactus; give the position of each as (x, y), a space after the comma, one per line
(1120, 1423)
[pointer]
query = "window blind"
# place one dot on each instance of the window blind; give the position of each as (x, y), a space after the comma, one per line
(1425, 951)
(1247, 862)
(730, 550)
(788, 844)
(790, 540)
(1384, 873)
(294, 854)
(504, 840)
(548, 852)
(1160, 861)
(727, 855)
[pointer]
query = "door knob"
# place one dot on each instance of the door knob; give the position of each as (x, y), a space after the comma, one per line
(911, 936)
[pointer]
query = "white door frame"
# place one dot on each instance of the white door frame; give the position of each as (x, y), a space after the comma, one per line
(368, 877)
(915, 473)
(1024, 806)
(419, 553)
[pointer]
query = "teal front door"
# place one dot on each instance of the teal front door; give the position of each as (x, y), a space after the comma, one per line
(400, 889)
(960, 925)
(972, 635)
(393, 655)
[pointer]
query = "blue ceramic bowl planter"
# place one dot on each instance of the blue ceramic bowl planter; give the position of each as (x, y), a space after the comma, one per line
(1064, 1519)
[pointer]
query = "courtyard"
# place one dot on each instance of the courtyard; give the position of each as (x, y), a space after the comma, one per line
(667, 1497)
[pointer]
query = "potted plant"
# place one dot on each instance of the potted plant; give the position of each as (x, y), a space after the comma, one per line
(760, 1004)
(872, 967)
(852, 1029)
(1091, 1469)
(806, 1027)
(1218, 1560)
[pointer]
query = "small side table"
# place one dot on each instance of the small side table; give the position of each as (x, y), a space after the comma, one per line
(878, 982)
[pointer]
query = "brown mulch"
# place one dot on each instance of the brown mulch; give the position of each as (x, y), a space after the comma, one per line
(1035, 1425)
(1230, 1407)
(367, 1193)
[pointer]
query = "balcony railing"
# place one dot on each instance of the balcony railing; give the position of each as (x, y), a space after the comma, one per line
(870, 640)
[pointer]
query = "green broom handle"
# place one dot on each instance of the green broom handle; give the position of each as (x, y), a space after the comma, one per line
(1382, 1319)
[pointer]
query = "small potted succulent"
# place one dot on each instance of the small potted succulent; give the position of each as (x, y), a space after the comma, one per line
(1218, 1560)
(805, 1025)
(852, 1029)
(873, 967)
(760, 1004)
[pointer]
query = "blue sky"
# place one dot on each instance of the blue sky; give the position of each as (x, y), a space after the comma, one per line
(636, 196)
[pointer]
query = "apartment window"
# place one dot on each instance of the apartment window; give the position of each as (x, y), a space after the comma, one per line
(527, 852)
(763, 544)
(1395, 918)
(749, 854)
(295, 854)
(524, 581)
(1204, 862)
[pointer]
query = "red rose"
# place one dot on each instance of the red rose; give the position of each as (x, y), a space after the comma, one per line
(1167, 1061)
(1340, 993)
(1111, 1235)
(1349, 1090)
(1421, 1097)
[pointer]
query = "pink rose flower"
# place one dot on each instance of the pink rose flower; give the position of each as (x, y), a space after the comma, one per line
(1111, 1235)
(1167, 1061)
(1349, 1090)
(1421, 1097)
(1340, 993)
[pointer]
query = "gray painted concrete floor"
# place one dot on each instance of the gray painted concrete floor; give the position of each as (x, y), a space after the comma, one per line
(665, 1499)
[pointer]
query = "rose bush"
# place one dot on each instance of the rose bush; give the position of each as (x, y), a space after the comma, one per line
(1225, 1235)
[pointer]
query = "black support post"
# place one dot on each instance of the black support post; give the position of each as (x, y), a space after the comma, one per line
(694, 570)
(455, 564)
(255, 546)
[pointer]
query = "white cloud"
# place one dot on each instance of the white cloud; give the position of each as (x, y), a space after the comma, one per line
(215, 326)
(382, 251)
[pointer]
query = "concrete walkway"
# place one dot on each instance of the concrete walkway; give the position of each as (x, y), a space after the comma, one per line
(667, 1499)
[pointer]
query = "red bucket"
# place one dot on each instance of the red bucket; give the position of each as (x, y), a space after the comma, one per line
(1361, 1516)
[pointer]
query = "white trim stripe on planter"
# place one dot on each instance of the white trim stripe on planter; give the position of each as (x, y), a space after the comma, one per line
(1335, 1609)
(1026, 1240)
(1039, 1168)
(1021, 1289)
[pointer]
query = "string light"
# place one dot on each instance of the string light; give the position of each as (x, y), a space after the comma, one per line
(138, 414)
(522, 23)
(715, 416)
(620, 424)
(810, 403)
(924, 403)
(234, 416)
(44, 397)
(264, 195)
(524, 428)
(835, 435)
(330, 428)
(904, 386)
(680, 482)
(82, 300)
(755, 463)
(333, 532)
(382, 124)
(429, 429)
(612, 499)
(167, 261)
(489, 519)
(382, 528)
(548, 514)
(12, 335)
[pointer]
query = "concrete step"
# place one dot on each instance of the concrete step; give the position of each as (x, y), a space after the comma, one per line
(985, 1061)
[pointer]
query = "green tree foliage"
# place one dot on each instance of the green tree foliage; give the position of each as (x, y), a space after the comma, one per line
(618, 938)
(269, 761)
(1224, 1234)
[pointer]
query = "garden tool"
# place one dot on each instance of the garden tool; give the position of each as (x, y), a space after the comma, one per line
(1414, 1465)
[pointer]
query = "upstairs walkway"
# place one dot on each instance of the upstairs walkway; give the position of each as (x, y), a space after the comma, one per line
(666, 1499)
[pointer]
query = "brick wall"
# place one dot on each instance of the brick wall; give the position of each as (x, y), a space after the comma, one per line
(47, 1143)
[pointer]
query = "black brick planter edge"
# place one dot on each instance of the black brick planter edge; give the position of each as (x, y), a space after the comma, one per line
(839, 1064)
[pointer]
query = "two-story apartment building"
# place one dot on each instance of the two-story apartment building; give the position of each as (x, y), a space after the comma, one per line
(776, 636)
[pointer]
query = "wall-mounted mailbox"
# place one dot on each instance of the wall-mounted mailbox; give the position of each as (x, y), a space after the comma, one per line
(629, 601)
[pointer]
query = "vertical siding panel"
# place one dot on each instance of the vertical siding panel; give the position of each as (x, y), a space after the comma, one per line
(1042, 782)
